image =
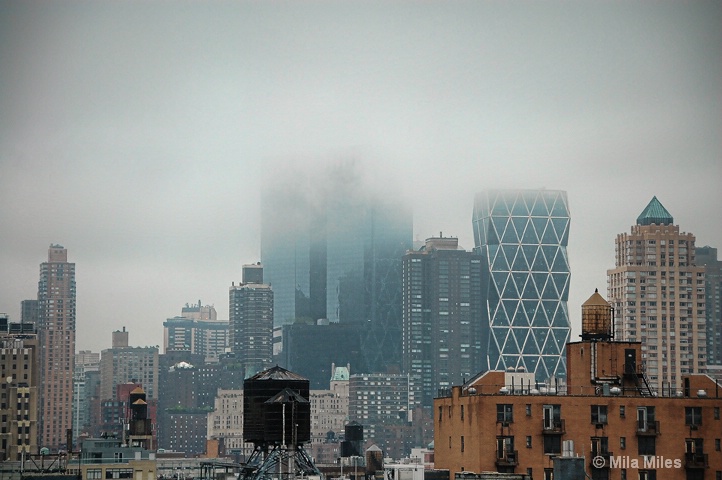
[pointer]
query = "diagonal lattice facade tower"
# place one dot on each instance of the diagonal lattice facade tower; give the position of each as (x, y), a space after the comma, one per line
(522, 237)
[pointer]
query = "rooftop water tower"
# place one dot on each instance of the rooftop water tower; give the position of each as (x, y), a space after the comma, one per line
(277, 420)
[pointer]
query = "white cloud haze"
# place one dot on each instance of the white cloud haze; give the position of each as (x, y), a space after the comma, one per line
(137, 134)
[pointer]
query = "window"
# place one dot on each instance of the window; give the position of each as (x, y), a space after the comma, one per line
(552, 444)
(622, 411)
(462, 443)
(600, 446)
(528, 441)
(462, 412)
(623, 442)
(504, 413)
(552, 417)
(548, 474)
(528, 409)
(716, 413)
(645, 419)
(505, 448)
(693, 416)
(599, 414)
(647, 446)
(648, 475)
(94, 474)
(717, 444)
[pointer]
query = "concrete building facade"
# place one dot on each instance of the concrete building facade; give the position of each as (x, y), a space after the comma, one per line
(707, 256)
(125, 364)
(56, 335)
(251, 324)
(442, 317)
(658, 294)
(19, 389)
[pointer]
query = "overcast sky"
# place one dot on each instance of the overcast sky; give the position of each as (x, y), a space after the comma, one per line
(136, 134)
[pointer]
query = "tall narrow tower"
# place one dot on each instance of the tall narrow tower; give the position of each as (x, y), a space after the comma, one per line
(56, 333)
(442, 317)
(658, 295)
(522, 238)
(251, 321)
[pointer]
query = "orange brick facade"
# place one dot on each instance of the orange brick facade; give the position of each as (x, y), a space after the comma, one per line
(678, 436)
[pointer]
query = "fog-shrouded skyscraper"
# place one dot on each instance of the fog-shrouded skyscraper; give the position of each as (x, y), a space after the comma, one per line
(442, 317)
(251, 321)
(658, 295)
(331, 246)
(522, 236)
(56, 336)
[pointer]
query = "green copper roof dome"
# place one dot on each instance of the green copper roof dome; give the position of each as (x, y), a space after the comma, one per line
(655, 213)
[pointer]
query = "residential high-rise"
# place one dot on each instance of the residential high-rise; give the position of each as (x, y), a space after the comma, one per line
(707, 256)
(197, 330)
(658, 295)
(84, 390)
(251, 323)
(122, 364)
(522, 236)
(442, 317)
(56, 336)
(380, 402)
(19, 399)
(332, 250)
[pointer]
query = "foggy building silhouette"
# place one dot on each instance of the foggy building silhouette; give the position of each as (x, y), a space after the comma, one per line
(56, 336)
(657, 292)
(332, 250)
(522, 238)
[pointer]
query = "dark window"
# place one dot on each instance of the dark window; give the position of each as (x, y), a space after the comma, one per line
(693, 416)
(622, 442)
(504, 413)
(648, 475)
(552, 444)
(647, 446)
(599, 414)
(528, 441)
(600, 446)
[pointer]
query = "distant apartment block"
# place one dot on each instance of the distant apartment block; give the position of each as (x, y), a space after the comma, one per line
(707, 256)
(657, 290)
(251, 322)
(442, 317)
(20, 378)
(123, 364)
(56, 336)
(225, 424)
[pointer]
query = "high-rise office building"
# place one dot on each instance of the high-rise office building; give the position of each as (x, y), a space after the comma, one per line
(19, 399)
(442, 317)
(56, 335)
(251, 323)
(658, 295)
(522, 236)
(332, 250)
(707, 256)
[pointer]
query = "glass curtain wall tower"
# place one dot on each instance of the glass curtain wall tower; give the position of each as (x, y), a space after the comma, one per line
(522, 236)
(331, 247)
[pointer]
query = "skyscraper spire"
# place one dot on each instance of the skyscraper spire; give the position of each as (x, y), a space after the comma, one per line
(655, 213)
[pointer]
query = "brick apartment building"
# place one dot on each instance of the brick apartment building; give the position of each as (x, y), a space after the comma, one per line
(506, 422)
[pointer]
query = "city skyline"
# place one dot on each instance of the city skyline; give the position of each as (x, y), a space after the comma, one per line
(142, 149)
